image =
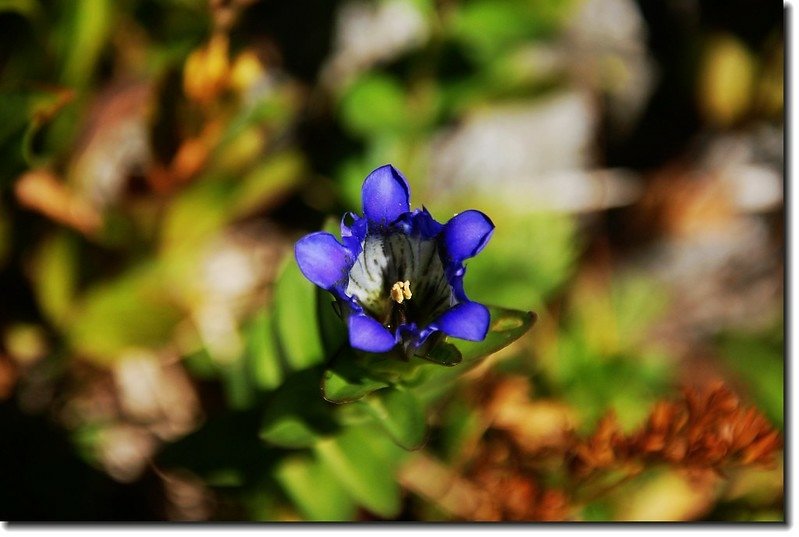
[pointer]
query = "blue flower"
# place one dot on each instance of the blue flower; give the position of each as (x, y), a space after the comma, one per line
(397, 273)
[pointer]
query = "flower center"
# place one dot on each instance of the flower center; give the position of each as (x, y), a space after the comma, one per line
(381, 280)
(401, 291)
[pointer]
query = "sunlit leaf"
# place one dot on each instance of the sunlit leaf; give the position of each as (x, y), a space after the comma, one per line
(262, 356)
(668, 496)
(374, 104)
(346, 381)
(360, 465)
(314, 489)
(217, 198)
(267, 184)
(298, 333)
(511, 273)
(55, 276)
(507, 326)
(289, 431)
(135, 310)
(490, 27)
(727, 77)
(87, 26)
(196, 215)
(400, 414)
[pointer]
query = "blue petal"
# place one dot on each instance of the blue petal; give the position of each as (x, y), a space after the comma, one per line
(423, 334)
(455, 274)
(386, 195)
(352, 234)
(467, 320)
(466, 234)
(322, 259)
(369, 335)
(426, 224)
(356, 228)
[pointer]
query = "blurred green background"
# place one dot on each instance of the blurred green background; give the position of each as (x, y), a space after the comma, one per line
(159, 355)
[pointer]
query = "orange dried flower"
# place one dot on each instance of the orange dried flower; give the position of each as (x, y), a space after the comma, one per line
(707, 429)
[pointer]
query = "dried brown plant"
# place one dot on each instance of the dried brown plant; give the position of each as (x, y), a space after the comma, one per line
(507, 472)
(706, 429)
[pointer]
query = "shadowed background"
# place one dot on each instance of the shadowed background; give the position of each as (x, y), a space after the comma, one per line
(158, 158)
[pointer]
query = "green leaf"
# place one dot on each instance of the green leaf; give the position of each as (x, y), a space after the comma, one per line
(217, 198)
(510, 273)
(299, 338)
(759, 359)
(267, 184)
(55, 269)
(443, 353)
(296, 415)
(136, 310)
(346, 381)
(238, 383)
(507, 326)
(289, 431)
(262, 357)
(360, 464)
(460, 428)
(374, 104)
(199, 212)
(83, 38)
(400, 414)
(22, 114)
(490, 28)
(314, 490)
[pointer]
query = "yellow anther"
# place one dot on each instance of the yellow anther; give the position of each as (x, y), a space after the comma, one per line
(401, 291)
(406, 289)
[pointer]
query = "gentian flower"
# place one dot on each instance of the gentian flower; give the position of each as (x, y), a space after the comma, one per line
(398, 274)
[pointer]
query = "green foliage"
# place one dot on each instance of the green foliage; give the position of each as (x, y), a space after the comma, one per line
(22, 114)
(261, 354)
(507, 325)
(522, 268)
(299, 337)
(290, 421)
(760, 358)
(364, 463)
(55, 278)
(400, 414)
(602, 358)
(489, 27)
(134, 310)
(87, 26)
(296, 415)
(314, 489)
(374, 105)
(347, 381)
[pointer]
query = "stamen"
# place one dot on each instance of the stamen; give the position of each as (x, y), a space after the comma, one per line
(406, 289)
(401, 291)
